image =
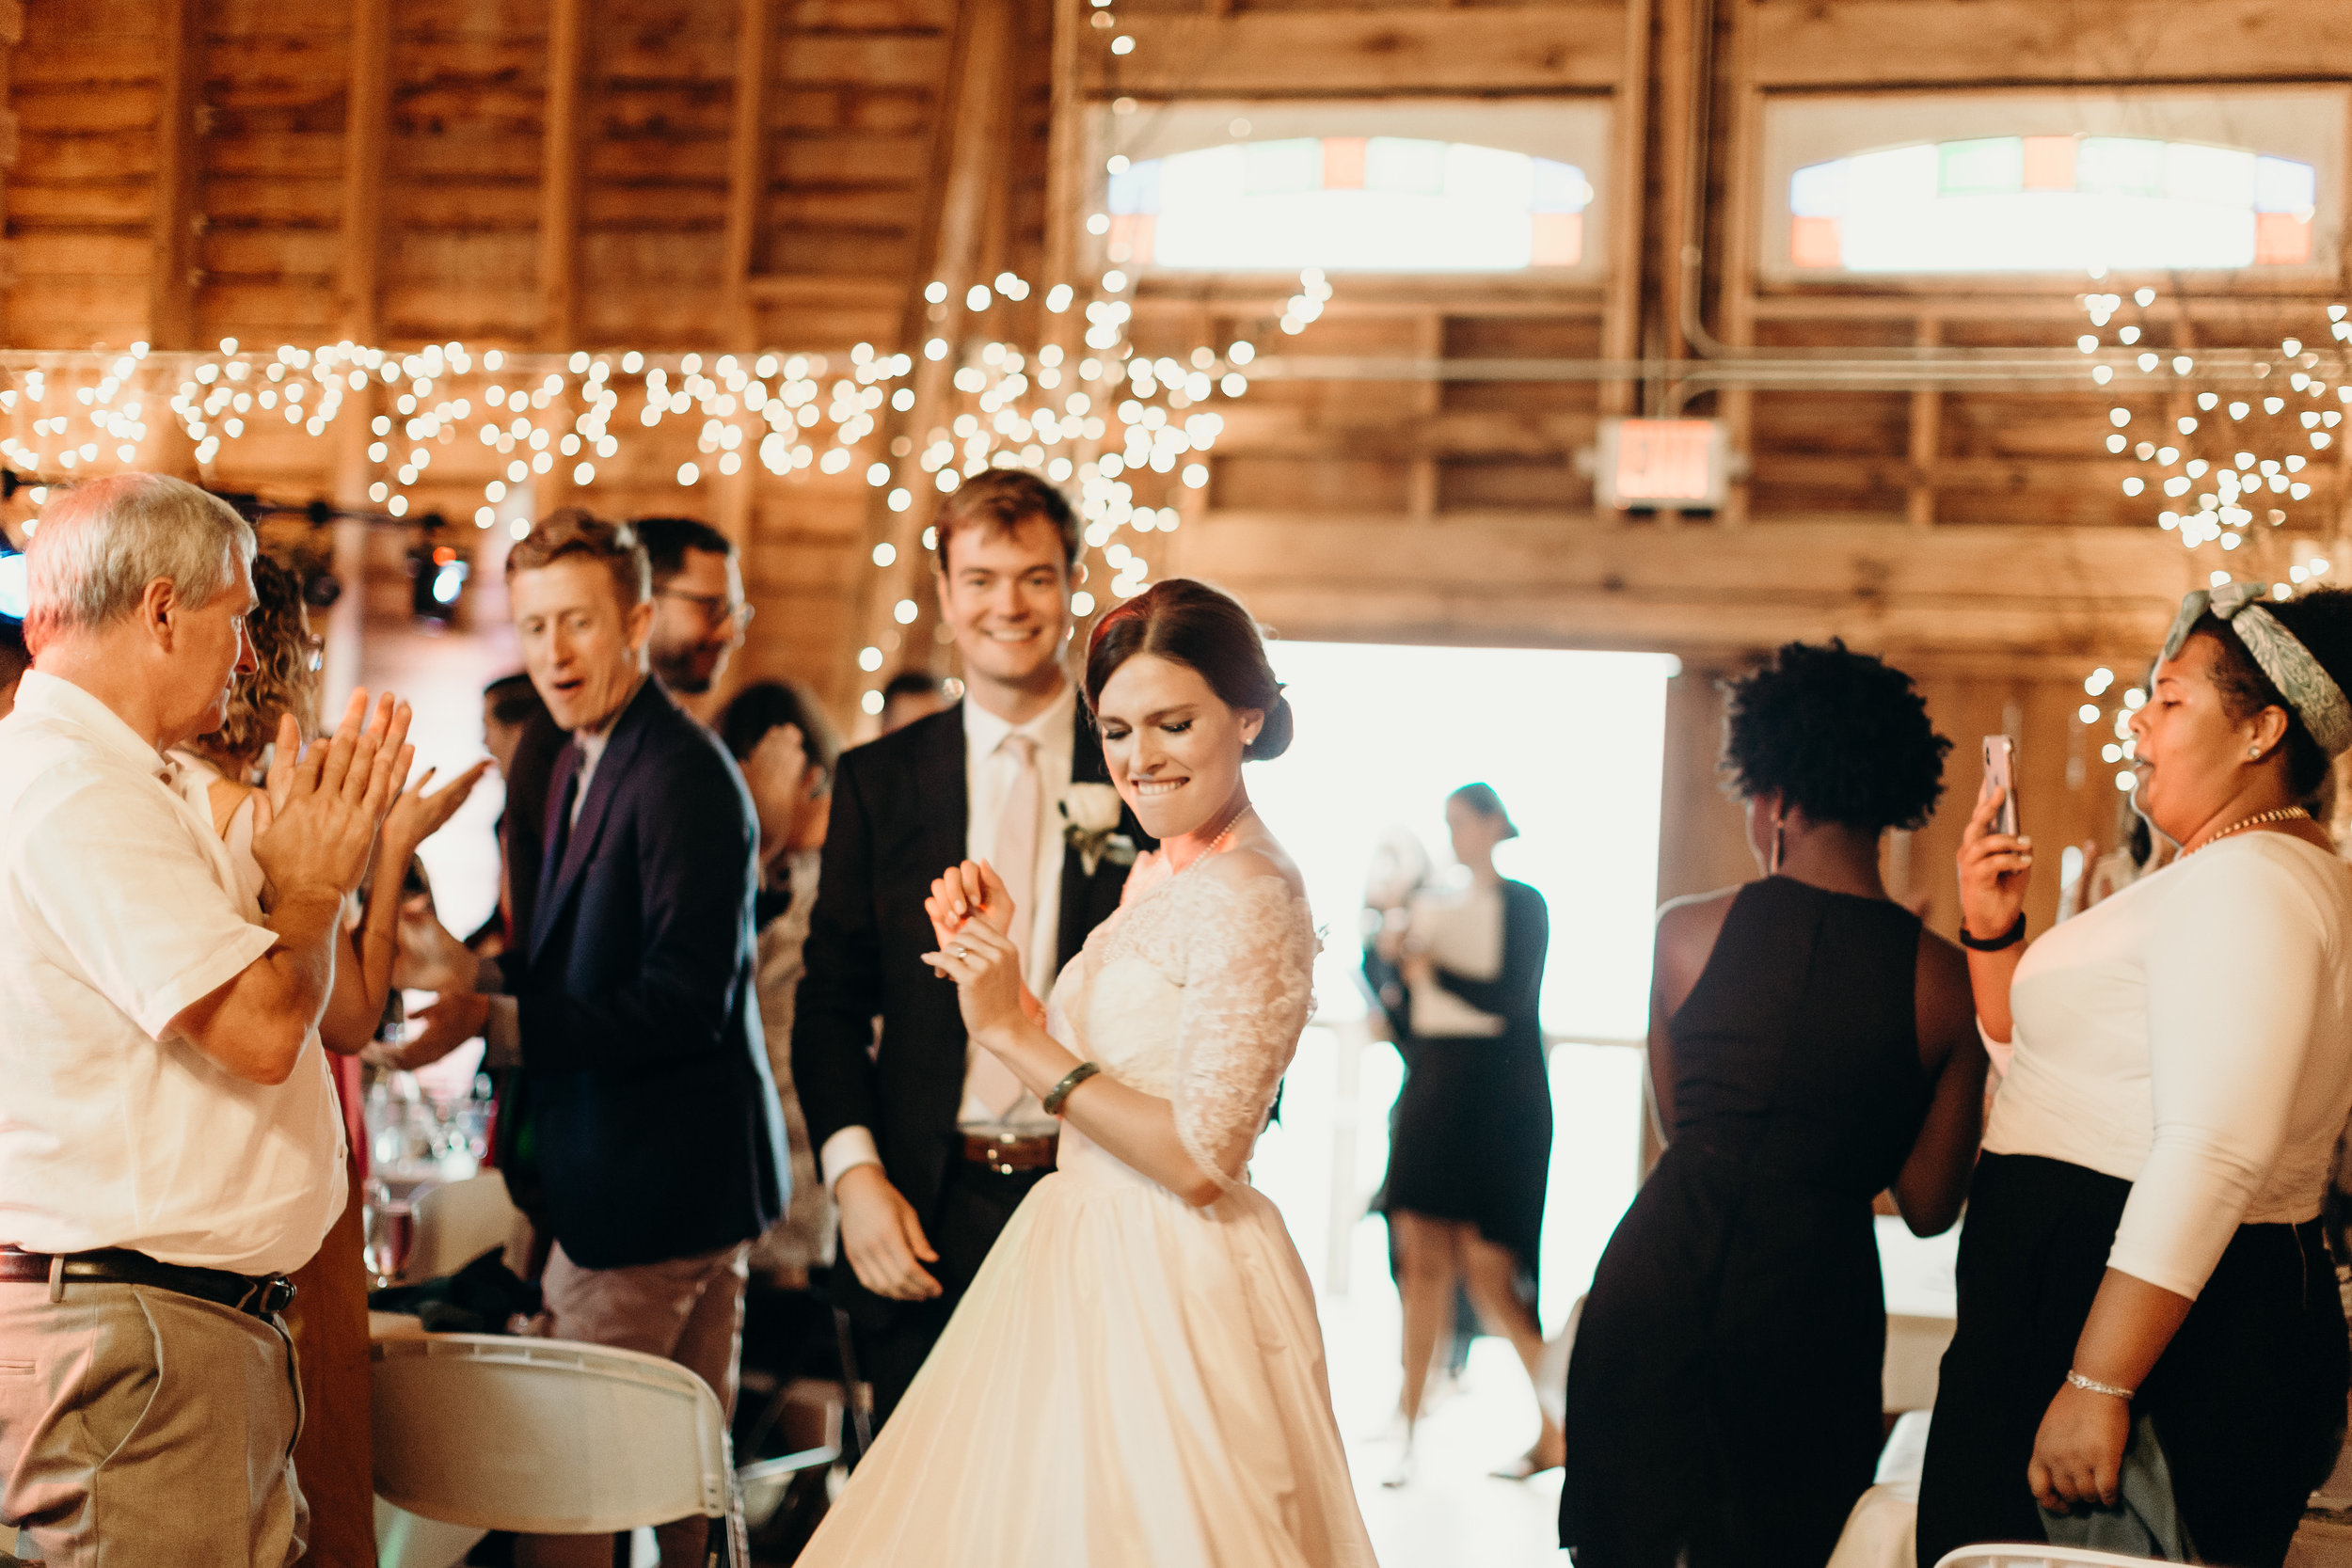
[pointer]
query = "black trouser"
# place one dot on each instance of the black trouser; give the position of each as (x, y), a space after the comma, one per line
(895, 1337)
(2248, 1400)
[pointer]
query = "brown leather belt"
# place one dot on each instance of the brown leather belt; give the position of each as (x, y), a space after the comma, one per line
(1007, 1152)
(258, 1295)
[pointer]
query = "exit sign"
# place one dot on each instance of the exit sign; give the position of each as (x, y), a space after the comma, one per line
(1662, 463)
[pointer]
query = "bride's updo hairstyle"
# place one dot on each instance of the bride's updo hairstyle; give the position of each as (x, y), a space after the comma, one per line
(1194, 624)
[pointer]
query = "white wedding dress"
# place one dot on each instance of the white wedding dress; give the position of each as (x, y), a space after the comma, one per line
(1132, 1382)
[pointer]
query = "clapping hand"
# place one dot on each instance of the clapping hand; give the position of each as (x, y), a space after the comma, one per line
(449, 1022)
(430, 957)
(416, 817)
(1993, 870)
(316, 821)
(776, 773)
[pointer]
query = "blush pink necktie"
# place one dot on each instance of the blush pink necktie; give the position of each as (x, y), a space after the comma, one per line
(1015, 859)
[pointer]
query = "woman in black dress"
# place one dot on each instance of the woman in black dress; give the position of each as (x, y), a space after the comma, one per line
(1470, 1140)
(1811, 1046)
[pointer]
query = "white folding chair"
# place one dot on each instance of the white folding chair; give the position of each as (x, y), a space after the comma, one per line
(457, 1223)
(550, 1437)
(2020, 1555)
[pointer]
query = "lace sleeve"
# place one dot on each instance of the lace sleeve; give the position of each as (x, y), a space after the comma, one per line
(1249, 981)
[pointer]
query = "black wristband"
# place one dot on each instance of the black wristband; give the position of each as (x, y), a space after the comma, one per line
(2009, 938)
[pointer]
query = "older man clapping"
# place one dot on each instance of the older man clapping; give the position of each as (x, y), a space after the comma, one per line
(170, 1147)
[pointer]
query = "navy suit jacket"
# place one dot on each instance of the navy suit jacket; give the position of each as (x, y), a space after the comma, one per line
(647, 1105)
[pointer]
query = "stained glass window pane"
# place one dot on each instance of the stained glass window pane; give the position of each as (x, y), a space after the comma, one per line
(1378, 203)
(2050, 204)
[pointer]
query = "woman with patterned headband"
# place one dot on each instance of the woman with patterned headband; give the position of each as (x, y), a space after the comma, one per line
(2150, 1353)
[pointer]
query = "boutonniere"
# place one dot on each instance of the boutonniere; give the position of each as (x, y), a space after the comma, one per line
(1089, 824)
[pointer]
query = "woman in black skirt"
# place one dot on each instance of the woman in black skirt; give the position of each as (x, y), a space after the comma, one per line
(1811, 1046)
(2142, 1273)
(1471, 1141)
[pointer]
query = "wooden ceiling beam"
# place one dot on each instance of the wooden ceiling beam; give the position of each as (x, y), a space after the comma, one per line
(1569, 580)
(1559, 48)
(560, 174)
(1868, 44)
(179, 174)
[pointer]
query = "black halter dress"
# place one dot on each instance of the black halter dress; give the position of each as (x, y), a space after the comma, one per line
(1724, 1394)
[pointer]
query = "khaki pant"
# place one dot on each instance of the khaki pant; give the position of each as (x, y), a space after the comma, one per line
(140, 1427)
(688, 1310)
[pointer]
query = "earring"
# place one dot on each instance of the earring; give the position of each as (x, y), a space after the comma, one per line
(1780, 843)
(2254, 751)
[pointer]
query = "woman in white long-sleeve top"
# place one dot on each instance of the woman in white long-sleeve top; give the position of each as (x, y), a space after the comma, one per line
(2143, 1236)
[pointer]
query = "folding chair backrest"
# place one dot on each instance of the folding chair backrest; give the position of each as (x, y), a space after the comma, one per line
(457, 1223)
(2039, 1555)
(545, 1436)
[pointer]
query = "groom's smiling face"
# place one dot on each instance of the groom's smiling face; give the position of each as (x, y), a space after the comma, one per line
(1006, 595)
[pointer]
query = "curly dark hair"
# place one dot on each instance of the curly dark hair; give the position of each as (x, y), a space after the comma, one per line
(1841, 736)
(2321, 620)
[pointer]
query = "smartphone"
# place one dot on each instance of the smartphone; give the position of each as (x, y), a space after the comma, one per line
(2000, 772)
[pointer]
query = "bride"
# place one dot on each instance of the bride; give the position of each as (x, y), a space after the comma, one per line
(1135, 1377)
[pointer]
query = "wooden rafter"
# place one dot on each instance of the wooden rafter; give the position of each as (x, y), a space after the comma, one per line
(171, 272)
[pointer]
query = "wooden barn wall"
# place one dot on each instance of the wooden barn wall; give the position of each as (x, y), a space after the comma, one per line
(731, 174)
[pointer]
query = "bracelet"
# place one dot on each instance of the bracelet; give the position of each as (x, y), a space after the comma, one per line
(2010, 938)
(1076, 1076)
(2090, 1386)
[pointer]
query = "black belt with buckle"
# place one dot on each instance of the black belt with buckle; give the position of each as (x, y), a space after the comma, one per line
(1011, 1153)
(260, 1295)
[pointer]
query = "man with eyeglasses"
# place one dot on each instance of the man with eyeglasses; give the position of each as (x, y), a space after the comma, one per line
(699, 616)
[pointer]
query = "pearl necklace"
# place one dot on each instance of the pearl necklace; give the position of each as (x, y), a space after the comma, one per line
(1224, 834)
(2283, 814)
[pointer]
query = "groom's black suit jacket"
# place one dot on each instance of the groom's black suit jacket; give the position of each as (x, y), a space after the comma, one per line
(900, 811)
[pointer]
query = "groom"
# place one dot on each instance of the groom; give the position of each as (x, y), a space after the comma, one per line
(928, 1144)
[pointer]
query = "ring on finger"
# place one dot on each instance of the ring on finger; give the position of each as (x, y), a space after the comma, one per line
(960, 951)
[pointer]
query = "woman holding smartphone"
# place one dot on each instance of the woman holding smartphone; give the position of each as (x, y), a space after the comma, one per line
(2143, 1236)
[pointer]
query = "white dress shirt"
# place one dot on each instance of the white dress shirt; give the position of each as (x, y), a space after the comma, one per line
(987, 766)
(2192, 1034)
(118, 908)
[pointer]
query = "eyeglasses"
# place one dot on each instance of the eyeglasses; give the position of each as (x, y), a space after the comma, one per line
(717, 610)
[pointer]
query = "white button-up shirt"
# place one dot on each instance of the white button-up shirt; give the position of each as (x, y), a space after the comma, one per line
(986, 779)
(119, 909)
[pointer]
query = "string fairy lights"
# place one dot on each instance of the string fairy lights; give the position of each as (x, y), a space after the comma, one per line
(2226, 465)
(1131, 430)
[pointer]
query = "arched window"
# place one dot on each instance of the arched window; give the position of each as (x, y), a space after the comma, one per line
(2051, 204)
(1349, 203)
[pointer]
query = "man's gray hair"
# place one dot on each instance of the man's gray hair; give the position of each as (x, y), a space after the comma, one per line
(103, 541)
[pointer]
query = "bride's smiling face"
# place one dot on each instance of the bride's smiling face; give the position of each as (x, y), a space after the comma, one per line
(1173, 744)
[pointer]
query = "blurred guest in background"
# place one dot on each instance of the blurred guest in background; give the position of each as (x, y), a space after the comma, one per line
(699, 614)
(912, 694)
(781, 738)
(14, 661)
(511, 708)
(524, 742)
(2143, 1268)
(1811, 1046)
(1470, 1142)
(628, 1003)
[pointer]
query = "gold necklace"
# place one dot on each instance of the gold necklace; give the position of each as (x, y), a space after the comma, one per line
(2283, 814)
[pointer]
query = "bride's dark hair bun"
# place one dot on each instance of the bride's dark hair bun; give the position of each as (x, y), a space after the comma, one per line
(1208, 630)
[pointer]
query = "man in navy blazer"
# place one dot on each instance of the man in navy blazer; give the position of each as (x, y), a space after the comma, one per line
(646, 1107)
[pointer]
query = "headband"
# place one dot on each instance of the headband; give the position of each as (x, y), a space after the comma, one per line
(2315, 695)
